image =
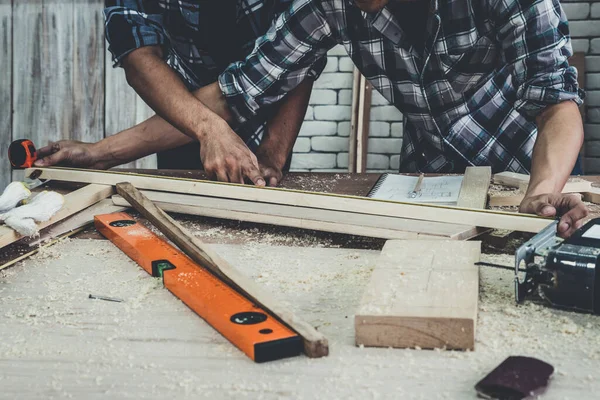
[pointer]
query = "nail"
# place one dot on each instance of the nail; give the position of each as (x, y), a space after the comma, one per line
(563, 226)
(547, 210)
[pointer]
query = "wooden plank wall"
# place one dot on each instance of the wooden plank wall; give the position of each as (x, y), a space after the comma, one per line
(56, 77)
(5, 87)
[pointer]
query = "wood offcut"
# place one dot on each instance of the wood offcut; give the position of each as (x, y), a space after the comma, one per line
(422, 294)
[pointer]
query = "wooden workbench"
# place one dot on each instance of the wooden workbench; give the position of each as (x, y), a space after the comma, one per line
(58, 343)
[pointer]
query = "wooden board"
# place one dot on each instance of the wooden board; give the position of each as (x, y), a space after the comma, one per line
(421, 294)
(79, 220)
(152, 346)
(123, 108)
(521, 181)
(510, 179)
(315, 343)
(363, 119)
(88, 71)
(474, 188)
(42, 70)
(352, 150)
(74, 202)
(306, 218)
(452, 215)
(5, 89)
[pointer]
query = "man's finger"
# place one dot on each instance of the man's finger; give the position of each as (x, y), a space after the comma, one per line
(253, 173)
(221, 175)
(235, 175)
(52, 159)
(46, 150)
(542, 208)
(572, 220)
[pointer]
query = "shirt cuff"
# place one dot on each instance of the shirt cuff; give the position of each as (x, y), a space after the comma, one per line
(533, 98)
(126, 34)
(243, 107)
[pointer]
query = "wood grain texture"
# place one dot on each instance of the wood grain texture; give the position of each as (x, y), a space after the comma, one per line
(421, 294)
(74, 202)
(356, 85)
(362, 205)
(42, 70)
(5, 89)
(474, 187)
(123, 108)
(510, 179)
(307, 218)
(315, 344)
(81, 219)
(363, 119)
(88, 71)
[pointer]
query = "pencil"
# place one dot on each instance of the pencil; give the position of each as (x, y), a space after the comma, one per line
(417, 188)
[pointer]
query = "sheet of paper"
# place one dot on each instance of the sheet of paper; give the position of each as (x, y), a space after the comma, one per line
(438, 189)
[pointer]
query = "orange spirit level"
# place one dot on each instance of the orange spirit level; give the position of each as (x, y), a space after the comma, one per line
(247, 326)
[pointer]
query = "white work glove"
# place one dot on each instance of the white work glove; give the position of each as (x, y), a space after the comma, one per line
(41, 208)
(13, 195)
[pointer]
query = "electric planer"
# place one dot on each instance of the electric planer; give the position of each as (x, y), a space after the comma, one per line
(562, 273)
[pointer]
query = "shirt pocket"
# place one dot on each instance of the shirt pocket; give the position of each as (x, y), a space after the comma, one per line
(479, 58)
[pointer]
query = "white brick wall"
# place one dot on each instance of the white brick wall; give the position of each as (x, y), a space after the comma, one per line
(323, 145)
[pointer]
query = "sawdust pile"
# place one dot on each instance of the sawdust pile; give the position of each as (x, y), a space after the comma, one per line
(60, 343)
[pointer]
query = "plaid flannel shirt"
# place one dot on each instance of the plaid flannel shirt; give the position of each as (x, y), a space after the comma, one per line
(199, 38)
(470, 98)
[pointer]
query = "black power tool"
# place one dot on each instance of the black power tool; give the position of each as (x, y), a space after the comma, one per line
(563, 273)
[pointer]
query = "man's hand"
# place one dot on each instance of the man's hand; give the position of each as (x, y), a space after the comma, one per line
(227, 158)
(568, 206)
(270, 170)
(69, 153)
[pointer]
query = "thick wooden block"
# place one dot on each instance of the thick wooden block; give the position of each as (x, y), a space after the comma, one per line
(421, 294)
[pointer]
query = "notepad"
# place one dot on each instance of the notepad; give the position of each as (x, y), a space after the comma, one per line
(435, 189)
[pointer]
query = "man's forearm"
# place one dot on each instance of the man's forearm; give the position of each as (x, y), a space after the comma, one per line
(560, 136)
(161, 88)
(151, 136)
(283, 128)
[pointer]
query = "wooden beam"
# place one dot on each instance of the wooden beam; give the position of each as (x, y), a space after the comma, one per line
(306, 218)
(474, 188)
(79, 220)
(315, 344)
(40, 247)
(514, 199)
(510, 179)
(356, 84)
(353, 204)
(74, 202)
(421, 294)
(521, 181)
(592, 195)
(363, 119)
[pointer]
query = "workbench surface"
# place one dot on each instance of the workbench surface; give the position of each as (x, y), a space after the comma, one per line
(56, 342)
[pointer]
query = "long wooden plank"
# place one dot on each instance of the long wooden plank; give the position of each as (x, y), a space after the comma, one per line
(421, 294)
(5, 89)
(269, 213)
(315, 344)
(323, 226)
(74, 202)
(76, 221)
(426, 212)
(363, 119)
(88, 71)
(123, 108)
(474, 188)
(521, 181)
(354, 120)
